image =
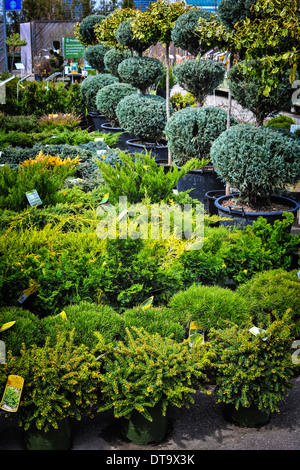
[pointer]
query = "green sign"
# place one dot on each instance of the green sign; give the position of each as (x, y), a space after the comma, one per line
(72, 48)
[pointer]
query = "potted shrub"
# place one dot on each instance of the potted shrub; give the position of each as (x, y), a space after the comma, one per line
(146, 375)
(253, 370)
(145, 117)
(85, 29)
(107, 100)
(141, 72)
(124, 35)
(190, 133)
(258, 162)
(94, 55)
(89, 89)
(113, 58)
(209, 306)
(60, 383)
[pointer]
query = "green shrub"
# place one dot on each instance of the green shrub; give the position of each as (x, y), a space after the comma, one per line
(108, 98)
(113, 58)
(199, 77)
(282, 122)
(143, 116)
(125, 37)
(92, 84)
(60, 121)
(271, 294)
(192, 131)
(257, 161)
(210, 306)
(95, 56)
(85, 319)
(26, 329)
(154, 320)
(183, 33)
(246, 89)
(141, 72)
(86, 29)
(24, 124)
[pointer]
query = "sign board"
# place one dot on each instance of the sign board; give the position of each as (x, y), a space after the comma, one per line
(12, 5)
(33, 198)
(72, 48)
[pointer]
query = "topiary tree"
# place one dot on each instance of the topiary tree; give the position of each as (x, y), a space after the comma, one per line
(108, 98)
(124, 35)
(95, 56)
(144, 116)
(199, 77)
(232, 11)
(183, 33)
(91, 85)
(106, 31)
(245, 89)
(258, 161)
(113, 58)
(141, 72)
(86, 32)
(191, 131)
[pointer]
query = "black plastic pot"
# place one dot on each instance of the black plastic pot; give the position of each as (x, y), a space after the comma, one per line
(122, 141)
(245, 417)
(160, 152)
(202, 180)
(164, 164)
(241, 218)
(95, 120)
(140, 430)
(211, 196)
(54, 439)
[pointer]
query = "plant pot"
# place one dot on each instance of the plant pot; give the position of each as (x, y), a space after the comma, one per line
(246, 417)
(122, 141)
(202, 180)
(164, 164)
(54, 439)
(140, 430)
(160, 152)
(211, 196)
(243, 218)
(95, 120)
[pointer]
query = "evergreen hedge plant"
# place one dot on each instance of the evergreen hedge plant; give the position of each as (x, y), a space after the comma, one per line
(141, 72)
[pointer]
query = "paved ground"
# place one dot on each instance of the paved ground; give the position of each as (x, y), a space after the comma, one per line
(200, 428)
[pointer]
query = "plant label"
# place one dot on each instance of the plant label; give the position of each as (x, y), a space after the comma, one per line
(5, 326)
(33, 198)
(22, 298)
(257, 331)
(12, 393)
(196, 333)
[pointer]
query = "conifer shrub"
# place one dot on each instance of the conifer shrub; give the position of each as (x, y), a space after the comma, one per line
(92, 84)
(124, 35)
(113, 58)
(108, 98)
(144, 116)
(85, 318)
(256, 160)
(154, 320)
(210, 306)
(199, 77)
(86, 29)
(26, 329)
(191, 131)
(271, 294)
(95, 56)
(281, 122)
(141, 72)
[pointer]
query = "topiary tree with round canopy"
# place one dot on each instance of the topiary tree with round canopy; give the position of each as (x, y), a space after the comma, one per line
(191, 131)
(199, 77)
(246, 90)
(124, 35)
(95, 56)
(108, 98)
(258, 161)
(183, 33)
(144, 116)
(91, 85)
(86, 30)
(113, 58)
(141, 72)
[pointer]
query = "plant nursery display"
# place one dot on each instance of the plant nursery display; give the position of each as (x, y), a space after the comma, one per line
(148, 371)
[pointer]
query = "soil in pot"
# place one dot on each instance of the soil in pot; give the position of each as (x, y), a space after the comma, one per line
(243, 215)
(160, 152)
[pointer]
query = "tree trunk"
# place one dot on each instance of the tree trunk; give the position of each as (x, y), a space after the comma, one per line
(168, 93)
(227, 188)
